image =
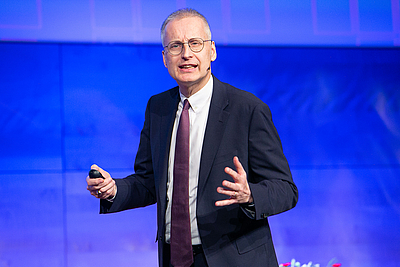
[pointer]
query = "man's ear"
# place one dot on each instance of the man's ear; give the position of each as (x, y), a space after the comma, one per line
(163, 58)
(213, 51)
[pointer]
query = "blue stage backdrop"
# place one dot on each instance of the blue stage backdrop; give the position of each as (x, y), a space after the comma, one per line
(352, 23)
(66, 106)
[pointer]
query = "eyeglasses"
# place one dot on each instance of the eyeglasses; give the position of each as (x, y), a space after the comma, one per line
(195, 44)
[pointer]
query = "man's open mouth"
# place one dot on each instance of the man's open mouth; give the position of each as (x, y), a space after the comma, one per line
(188, 66)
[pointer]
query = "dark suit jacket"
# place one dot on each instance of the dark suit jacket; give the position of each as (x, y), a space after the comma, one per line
(239, 124)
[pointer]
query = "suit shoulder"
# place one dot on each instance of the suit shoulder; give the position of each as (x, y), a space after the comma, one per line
(166, 95)
(164, 102)
(241, 97)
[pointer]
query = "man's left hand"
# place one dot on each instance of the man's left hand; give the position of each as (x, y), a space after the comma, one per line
(239, 191)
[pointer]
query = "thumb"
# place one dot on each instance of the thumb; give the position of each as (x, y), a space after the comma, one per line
(104, 173)
(95, 167)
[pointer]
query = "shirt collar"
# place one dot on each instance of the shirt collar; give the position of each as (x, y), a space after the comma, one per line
(201, 98)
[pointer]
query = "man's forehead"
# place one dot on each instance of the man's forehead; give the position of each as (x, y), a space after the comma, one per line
(187, 27)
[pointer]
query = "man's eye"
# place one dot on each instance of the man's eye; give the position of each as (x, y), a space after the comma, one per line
(174, 45)
(195, 43)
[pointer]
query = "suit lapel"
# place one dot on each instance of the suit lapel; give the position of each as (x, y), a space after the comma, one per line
(215, 128)
(165, 133)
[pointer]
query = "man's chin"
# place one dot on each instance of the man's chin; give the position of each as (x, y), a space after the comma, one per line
(190, 79)
(187, 81)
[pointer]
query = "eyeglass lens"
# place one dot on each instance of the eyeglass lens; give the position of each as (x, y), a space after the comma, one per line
(176, 47)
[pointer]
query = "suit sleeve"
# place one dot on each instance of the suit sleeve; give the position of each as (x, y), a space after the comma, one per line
(136, 190)
(269, 176)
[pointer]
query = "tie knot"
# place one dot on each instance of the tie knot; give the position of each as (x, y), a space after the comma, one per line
(186, 104)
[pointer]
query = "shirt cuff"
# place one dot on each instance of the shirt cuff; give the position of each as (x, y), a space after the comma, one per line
(111, 199)
(249, 209)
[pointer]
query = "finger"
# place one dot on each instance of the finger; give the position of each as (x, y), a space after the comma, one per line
(93, 191)
(239, 168)
(231, 172)
(229, 193)
(97, 188)
(107, 187)
(103, 172)
(235, 176)
(94, 181)
(230, 185)
(109, 190)
(102, 193)
(106, 194)
(225, 202)
(239, 175)
(95, 167)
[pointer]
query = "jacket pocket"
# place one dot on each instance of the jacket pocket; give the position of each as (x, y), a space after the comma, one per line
(253, 240)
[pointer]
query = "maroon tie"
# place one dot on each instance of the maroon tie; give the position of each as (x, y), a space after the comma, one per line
(181, 240)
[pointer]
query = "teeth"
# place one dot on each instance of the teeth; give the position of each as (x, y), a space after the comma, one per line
(187, 67)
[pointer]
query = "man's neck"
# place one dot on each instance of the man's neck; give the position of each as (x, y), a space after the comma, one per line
(189, 90)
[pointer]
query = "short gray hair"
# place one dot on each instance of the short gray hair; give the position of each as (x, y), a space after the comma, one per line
(184, 13)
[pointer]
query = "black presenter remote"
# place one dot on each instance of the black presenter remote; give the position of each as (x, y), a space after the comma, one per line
(95, 174)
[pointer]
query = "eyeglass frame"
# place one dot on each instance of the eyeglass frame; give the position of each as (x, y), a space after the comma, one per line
(183, 43)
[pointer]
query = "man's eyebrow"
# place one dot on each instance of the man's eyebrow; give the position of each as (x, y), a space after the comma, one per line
(177, 40)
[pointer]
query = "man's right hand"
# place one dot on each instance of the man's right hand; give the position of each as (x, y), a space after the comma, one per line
(99, 187)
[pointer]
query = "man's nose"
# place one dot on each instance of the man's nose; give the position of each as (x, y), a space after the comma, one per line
(186, 51)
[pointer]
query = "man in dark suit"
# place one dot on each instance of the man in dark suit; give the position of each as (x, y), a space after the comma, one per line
(238, 175)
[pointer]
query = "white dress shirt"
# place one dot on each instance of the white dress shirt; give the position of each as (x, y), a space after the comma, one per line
(198, 114)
